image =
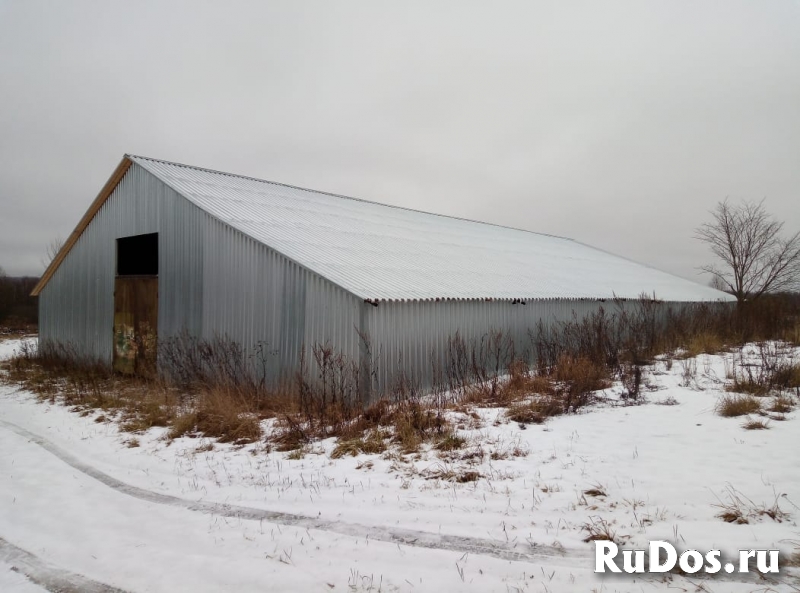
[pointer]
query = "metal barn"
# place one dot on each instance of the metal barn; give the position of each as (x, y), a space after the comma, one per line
(167, 248)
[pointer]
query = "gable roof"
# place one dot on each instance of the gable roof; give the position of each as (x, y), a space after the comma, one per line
(382, 252)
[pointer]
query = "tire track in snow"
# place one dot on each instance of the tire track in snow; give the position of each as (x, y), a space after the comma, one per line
(52, 578)
(520, 552)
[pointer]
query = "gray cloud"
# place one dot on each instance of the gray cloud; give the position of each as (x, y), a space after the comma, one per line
(618, 124)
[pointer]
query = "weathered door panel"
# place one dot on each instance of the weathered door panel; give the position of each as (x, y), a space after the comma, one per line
(135, 323)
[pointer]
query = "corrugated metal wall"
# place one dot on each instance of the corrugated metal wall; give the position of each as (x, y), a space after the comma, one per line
(76, 307)
(213, 281)
(256, 296)
(412, 337)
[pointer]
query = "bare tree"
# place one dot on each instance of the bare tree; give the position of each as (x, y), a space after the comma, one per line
(715, 282)
(52, 249)
(754, 257)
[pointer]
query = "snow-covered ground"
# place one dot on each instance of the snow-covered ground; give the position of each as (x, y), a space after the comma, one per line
(384, 523)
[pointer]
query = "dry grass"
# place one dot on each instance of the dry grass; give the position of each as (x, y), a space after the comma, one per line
(781, 404)
(597, 491)
(521, 384)
(567, 387)
(220, 413)
(407, 424)
(450, 442)
(787, 376)
(537, 410)
(737, 508)
(209, 390)
(705, 342)
(142, 413)
(748, 385)
(371, 443)
(138, 403)
(447, 473)
(792, 558)
(754, 424)
(772, 371)
(733, 405)
(579, 378)
(289, 434)
(598, 529)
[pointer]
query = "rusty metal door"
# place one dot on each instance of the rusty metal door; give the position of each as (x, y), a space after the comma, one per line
(135, 323)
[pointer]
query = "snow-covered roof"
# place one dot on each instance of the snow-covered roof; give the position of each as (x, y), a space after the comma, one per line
(376, 251)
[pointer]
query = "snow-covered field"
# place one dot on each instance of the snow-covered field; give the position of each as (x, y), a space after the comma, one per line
(179, 517)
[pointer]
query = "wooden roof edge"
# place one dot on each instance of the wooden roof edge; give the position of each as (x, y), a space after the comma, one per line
(98, 202)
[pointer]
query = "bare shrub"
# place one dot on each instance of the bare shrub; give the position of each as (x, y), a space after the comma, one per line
(630, 376)
(190, 362)
(457, 367)
(493, 357)
(688, 367)
(579, 378)
(332, 397)
(787, 376)
(771, 371)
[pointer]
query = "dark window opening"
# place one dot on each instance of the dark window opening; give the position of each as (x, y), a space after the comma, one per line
(138, 255)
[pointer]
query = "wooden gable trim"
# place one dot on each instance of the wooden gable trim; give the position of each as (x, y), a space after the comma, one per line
(101, 198)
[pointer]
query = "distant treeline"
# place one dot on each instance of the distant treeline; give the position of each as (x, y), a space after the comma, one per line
(17, 307)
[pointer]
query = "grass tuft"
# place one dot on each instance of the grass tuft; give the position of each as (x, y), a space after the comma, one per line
(755, 424)
(782, 404)
(597, 491)
(733, 405)
(598, 529)
(372, 443)
(450, 442)
(220, 413)
(738, 509)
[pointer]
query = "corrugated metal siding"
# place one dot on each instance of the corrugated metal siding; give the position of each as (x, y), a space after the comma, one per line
(77, 305)
(213, 281)
(255, 296)
(411, 338)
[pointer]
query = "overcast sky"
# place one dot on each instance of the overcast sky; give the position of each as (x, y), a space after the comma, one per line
(619, 124)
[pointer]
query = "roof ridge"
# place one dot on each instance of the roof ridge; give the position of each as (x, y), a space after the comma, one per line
(327, 193)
